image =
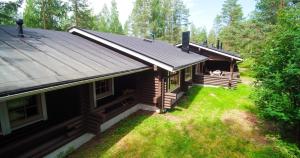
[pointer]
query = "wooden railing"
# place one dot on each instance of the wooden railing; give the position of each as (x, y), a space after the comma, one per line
(216, 80)
(113, 108)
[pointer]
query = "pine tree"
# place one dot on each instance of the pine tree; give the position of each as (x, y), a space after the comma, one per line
(104, 19)
(230, 23)
(198, 35)
(166, 19)
(82, 15)
(9, 11)
(115, 26)
(46, 14)
(212, 38)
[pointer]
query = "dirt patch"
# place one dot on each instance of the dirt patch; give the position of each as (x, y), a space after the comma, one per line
(172, 118)
(245, 124)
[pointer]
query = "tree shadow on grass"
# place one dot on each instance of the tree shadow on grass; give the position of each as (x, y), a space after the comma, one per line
(104, 141)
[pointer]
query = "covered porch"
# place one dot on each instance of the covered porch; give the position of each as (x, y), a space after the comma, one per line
(217, 73)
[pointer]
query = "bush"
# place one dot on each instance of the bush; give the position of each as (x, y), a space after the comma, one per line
(278, 73)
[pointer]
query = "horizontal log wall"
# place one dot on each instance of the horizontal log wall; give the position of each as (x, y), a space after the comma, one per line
(215, 81)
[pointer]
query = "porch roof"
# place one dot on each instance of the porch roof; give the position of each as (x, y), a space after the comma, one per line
(156, 52)
(45, 58)
(216, 50)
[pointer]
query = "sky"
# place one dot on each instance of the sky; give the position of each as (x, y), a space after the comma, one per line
(202, 12)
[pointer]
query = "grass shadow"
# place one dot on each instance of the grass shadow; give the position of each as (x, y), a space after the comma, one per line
(187, 98)
(104, 141)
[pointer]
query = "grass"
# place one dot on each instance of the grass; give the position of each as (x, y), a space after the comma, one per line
(207, 123)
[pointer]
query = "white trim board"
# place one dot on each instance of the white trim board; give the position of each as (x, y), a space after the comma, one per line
(106, 125)
(214, 51)
(69, 147)
(123, 49)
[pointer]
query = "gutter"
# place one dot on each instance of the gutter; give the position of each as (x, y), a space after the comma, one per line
(64, 84)
(188, 65)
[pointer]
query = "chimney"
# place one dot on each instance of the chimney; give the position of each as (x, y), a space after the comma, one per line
(205, 43)
(221, 46)
(185, 41)
(20, 27)
(218, 44)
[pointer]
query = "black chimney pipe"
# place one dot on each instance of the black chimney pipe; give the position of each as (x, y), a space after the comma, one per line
(221, 46)
(20, 27)
(185, 41)
(218, 44)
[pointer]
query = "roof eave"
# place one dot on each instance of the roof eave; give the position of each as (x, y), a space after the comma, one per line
(122, 48)
(50, 87)
(218, 52)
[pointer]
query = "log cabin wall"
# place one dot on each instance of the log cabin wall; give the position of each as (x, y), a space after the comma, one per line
(149, 86)
(64, 123)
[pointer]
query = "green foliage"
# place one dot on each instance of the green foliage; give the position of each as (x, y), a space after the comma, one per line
(104, 19)
(278, 72)
(81, 15)
(115, 25)
(229, 24)
(198, 35)
(212, 37)
(8, 12)
(46, 14)
(231, 13)
(166, 19)
(108, 20)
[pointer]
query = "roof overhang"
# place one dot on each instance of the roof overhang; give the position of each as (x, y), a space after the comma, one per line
(214, 51)
(37, 90)
(123, 49)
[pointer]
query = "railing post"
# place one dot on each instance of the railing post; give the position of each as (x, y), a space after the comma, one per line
(231, 72)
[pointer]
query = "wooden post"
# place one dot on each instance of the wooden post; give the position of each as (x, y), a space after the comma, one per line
(162, 94)
(202, 68)
(231, 72)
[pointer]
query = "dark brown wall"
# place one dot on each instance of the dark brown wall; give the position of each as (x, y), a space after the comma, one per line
(120, 85)
(219, 65)
(63, 104)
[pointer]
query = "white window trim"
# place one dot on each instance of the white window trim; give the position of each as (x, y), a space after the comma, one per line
(4, 118)
(104, 96)
(191, 76)
(179, 73)
(197, 72)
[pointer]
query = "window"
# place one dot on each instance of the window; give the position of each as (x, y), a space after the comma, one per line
(174, 81)
(188, 73)
(24, 110)
(20, 112)
(198, 69)
(104, 88)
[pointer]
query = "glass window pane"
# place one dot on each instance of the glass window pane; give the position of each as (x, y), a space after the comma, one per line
(103, 88)
(22, 110)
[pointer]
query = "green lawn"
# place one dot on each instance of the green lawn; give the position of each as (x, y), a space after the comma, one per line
(209, 122)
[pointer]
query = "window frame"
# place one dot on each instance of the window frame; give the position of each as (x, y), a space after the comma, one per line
(169, 79)
(112, 91)
(6, 126)
(191, 74)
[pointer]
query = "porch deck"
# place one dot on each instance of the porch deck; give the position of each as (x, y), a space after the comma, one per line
(223, 80)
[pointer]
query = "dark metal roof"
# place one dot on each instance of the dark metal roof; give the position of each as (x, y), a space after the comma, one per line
(45, 57)
(222, 50)
(212, 49)
(156, 50)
